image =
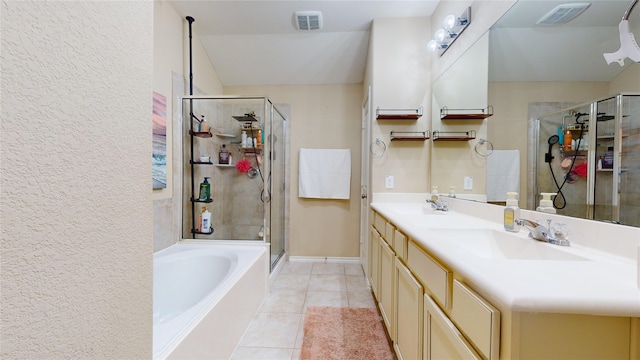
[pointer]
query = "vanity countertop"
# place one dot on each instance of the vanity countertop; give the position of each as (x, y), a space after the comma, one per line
(576, 279)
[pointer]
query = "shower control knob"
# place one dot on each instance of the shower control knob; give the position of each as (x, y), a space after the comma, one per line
(363, 196)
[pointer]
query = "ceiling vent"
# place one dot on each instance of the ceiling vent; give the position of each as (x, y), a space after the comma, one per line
(308, 20)
(562, 14)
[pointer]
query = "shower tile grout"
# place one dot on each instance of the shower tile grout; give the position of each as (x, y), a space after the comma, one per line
(292, 292)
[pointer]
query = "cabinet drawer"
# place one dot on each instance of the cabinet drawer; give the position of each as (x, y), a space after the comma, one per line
(400, 244)
(434, 276)
(478, 320)
(389, 229)
(379, 222)
(442, 340)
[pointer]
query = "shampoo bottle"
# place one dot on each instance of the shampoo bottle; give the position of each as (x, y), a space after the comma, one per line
(567, 141)
(205, 223)
(205, 190)
(204, 125)
(511, 213)
(546, 205)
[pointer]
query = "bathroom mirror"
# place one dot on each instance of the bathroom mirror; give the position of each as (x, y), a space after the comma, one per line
(554, 65)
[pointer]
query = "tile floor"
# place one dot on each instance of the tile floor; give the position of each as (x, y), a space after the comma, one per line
(276, 331)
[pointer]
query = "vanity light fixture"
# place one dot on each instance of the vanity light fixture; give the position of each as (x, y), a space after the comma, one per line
(453, 27)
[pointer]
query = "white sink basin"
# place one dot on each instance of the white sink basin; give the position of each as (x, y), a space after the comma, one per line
(415, 209)
(496, 244)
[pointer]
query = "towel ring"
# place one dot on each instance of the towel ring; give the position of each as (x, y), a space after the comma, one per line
(379, 144)
(487, 152)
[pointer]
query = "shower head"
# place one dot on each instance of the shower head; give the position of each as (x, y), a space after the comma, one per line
(553, 139)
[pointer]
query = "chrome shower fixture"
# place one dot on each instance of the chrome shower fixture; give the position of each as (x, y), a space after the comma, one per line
(628, 46)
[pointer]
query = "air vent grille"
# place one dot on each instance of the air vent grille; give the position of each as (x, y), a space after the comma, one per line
(562, 14)
(308, 20)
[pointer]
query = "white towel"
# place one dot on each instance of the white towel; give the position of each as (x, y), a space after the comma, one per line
(325, 173)
(503, 174)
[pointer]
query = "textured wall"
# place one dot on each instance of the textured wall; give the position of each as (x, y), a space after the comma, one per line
(76, 187)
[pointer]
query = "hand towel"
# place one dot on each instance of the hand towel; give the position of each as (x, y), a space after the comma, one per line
(503, 174)
(324, 173)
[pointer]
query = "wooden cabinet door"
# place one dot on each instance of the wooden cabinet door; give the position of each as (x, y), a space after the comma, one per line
(374, 262)
(442, 340)
(408, 314)
(386, 289)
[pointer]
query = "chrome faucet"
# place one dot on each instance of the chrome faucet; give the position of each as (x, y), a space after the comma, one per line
(439, 205)
(539, 232)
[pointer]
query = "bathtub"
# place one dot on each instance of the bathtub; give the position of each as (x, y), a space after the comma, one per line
(204, 296)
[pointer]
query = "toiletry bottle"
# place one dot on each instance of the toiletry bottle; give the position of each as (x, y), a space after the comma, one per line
(259, 139)
(546, 205)
(560, 135)
(434, 193)
(205, 190)
(567, 140)
(204, 125)
(243, 141)
(223, 156)
(452, 191)
(599, 166)
(511, 212)
(205, 224)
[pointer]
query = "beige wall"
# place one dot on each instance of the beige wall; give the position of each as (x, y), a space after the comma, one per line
(398, 71)
(76, 192)
(322, 116)
(626, 81)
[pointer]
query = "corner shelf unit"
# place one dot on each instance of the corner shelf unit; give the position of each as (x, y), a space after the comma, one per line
(205, 134)
(466, 114)
(409, 135)
(398, 114)
(454, 136)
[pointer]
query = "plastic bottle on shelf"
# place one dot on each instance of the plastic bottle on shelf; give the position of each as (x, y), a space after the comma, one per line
(223, 156)
(511, 212)
(204, 125)
(205, 222)
(546, 205)
(567, 140)
(205, 190)
(243, 141)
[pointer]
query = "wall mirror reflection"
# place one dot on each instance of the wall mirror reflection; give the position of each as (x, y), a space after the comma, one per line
(539, 78)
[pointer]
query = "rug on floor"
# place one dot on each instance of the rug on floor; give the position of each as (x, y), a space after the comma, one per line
(344, 333)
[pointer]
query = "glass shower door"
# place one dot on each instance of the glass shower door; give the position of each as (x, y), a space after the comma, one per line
(629, 160)
(276, 184)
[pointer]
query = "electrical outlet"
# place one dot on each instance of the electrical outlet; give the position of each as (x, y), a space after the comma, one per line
(468, 182)
(388, 182)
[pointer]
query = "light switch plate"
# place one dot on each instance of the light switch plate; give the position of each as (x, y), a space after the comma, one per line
(468, 182)
(388, 182)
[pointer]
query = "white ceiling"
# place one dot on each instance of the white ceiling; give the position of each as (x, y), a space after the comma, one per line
(520, 50)
(256, 43)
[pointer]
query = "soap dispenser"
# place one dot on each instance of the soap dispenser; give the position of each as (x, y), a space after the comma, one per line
(434, 193)
(546, 205)
(511, 212)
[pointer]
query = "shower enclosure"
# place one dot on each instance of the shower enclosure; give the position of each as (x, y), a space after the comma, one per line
(247, 196)
(589, 155)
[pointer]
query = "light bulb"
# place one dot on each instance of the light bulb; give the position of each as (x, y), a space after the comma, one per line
(440, 35)
(433, 45)
(450, 22)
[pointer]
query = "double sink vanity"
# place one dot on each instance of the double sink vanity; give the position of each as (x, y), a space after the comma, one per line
(454, 285)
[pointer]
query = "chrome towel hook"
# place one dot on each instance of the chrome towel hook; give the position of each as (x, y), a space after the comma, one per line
(488, 148)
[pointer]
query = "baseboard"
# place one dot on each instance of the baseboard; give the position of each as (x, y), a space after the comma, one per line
(327, 259)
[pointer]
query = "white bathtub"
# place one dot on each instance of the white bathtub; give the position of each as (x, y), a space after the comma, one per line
(204, 296)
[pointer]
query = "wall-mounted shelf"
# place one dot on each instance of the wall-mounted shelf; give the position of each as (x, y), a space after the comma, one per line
(201, 201)
(246, 118)
(453, 136)
(398, 114)
(200, 162)
(205, 134)
(195, 231)
(409, 135)
(466, 114)
(225, 135)
(225, 165)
